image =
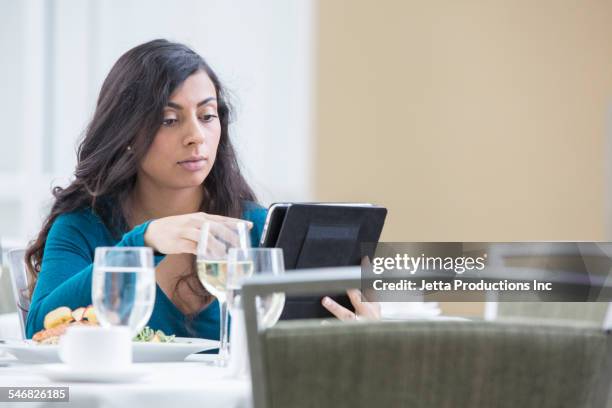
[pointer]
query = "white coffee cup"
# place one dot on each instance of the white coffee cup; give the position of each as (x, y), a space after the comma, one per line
(102, 348)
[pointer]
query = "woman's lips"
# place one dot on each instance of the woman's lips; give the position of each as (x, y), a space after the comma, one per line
(193, 165)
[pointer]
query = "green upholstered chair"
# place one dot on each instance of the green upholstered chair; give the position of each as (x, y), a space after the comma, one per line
(593, 312)
(419, 364)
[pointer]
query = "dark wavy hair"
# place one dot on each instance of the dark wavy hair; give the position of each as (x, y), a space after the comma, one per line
(129, 112)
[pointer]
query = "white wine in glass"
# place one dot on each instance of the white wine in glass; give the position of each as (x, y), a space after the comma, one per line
(261, 261)
(213, 275)
(216, 239)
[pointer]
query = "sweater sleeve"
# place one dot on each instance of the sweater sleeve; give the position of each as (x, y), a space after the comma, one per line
(65, 276)
(257, 215)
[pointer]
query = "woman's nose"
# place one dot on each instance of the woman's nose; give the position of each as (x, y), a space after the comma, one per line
(195, 133)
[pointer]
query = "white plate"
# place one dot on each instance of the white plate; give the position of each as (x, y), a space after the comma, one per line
(64, 373)
(28, 352)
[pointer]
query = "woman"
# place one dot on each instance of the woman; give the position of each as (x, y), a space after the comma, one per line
(155, 163)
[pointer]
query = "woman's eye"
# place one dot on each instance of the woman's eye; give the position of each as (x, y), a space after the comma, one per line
(208, 118)
(169, 122)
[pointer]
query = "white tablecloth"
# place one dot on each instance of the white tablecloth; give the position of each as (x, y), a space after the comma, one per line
(169, 385)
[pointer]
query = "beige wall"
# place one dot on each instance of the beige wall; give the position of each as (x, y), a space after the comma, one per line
(470, 120)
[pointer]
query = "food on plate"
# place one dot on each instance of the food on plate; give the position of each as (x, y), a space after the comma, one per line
(77, 314)
(57, 317)
(58, 320)
(52, 336)
(90, 314)
(149, 335)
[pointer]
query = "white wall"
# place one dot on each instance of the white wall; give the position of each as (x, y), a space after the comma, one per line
(56, 55)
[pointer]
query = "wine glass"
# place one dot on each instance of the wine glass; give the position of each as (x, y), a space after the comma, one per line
(123, 286)
(216, 239)
(244, 263)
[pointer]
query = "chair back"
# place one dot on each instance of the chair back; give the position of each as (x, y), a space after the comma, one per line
(420, 364)
(19, 282)
(593, 312)
(426, 364)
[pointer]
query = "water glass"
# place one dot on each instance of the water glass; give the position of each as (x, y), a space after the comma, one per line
(123, 286)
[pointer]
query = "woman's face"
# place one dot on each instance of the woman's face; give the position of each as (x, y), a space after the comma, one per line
(185, 146)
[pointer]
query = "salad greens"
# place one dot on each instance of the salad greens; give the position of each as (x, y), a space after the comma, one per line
(147, 334)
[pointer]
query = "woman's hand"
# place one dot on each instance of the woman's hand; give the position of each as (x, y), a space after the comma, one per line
(363, 309)
(180, 234)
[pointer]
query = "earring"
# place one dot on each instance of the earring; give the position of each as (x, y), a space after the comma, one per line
(129, 148)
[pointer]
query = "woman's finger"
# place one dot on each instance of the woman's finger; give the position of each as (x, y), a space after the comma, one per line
(226, 233)
(202, 217)
(187, 246)
(337, 310)
(363, 307)
(192, 234)
(214, 248)
(355, 297)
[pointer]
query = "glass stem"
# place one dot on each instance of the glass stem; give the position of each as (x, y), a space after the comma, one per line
(223, 342)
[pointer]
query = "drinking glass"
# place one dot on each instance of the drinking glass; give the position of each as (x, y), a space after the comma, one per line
(216, 239)
(123, 286)
(244, 263)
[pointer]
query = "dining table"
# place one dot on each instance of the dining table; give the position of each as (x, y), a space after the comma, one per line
(194, 382)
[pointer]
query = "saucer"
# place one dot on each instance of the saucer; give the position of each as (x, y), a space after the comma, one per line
(28, 351)
(65, 373)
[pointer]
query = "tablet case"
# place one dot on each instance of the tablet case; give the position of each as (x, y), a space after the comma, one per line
(318, 236)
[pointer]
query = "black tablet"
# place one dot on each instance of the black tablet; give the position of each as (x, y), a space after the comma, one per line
(318, 235)
(272, 226)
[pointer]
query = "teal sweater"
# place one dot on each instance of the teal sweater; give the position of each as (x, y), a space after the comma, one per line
(65, 277)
